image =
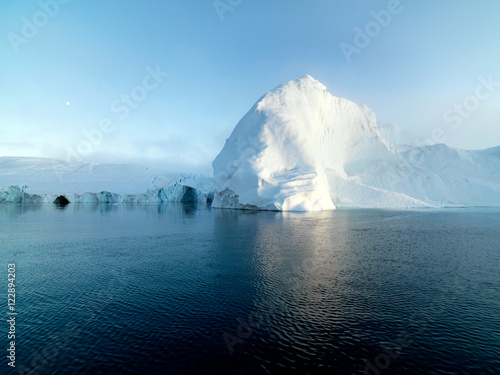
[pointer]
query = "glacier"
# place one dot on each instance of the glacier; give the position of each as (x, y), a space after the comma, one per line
(299, 148)
(31, 180)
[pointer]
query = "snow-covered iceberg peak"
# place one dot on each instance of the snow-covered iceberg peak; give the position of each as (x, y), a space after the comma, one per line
(301, 149)
(277, 155)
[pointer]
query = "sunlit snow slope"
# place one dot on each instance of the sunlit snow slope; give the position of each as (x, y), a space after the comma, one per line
(301, 149)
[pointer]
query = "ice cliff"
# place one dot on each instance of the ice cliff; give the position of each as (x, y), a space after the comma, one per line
(41, 180)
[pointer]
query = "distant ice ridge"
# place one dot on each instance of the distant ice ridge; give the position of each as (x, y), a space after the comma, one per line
(179, 193)
(397, 136)
(301, 149)
(38, 180)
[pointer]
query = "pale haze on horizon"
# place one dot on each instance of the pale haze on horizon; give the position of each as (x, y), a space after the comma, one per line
(164, 83)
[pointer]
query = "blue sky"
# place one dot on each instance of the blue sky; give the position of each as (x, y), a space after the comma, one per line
(424, 67)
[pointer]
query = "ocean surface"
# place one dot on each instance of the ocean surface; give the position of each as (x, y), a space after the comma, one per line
(182, 289)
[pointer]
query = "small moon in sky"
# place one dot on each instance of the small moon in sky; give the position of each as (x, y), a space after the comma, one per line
(67, 103)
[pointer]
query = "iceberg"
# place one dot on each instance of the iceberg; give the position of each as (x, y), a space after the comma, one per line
(30, 180)
(299, 148)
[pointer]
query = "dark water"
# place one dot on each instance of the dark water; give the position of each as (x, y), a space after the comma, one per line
(115, 289)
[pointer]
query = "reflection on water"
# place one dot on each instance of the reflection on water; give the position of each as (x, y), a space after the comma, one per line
(158, 289)
(7, 210)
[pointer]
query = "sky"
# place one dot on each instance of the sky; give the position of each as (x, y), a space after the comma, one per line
(164, 83)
